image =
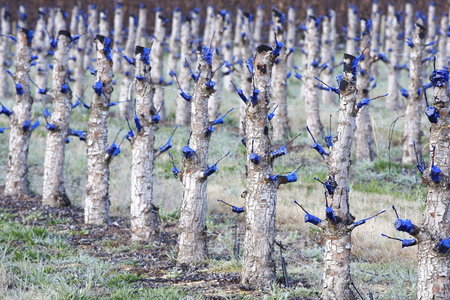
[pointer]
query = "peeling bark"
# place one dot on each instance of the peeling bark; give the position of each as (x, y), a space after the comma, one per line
(97, 202)
(53, 192)
(183, 107)
(411, 132)
(144, 214)
(434, 266)
(192, 241)
(337, 255)
(260, 203)
(16, 182)
(312, 111)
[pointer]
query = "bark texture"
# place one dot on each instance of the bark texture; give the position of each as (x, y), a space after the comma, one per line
(337, 255)
(144, 214)
(364, 134)
(192, 241)
(97, 202)
(53, 192)
(309, 91)
(16, 182)
(434, 266)
(258, 262)
(414, 105)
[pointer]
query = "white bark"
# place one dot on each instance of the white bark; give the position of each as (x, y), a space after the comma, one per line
(351, 46)
(409, 27)
(238, 20)
(209, 25)
(4, 52)
(245, 46)
(291, 35)
(375, 45)
(337, 255)
(227, 50)
(92, 27)
(192, 241)
(97, 202)
(280, 121)
(259, 20)
(118, 40)
(260, 203)
(364, 134)
(327, 56)
(16, 182)
(434, 266)
(309, 91)
(60, 22)
(22, 19)
(442, 55)
(144, 214)
(195, 30)
(142, 24)
(183, 107)
(51, 21)
(395, 57)
(158, 62)
(103, 28)
(41, 42)
(174, 42)
(73, 27)
(126, 108)
(80, 71)
(411, 132)
(53, 192)
(432, 23)
(216, 98)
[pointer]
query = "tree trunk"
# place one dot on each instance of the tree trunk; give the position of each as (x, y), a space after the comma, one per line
(22, 17)
(126, 108)
(216, 98)
(80, 71)
(364, 134)
(259, 20)
(60, 22)
(312, 110)
(16, 182)
(291, 35)
(434, 266)
(409, 27)
(327, 56)
(431, 23)
(4, 52)
(375, 45)
(118, 40)
(192, 242)
(209, 25)
(158, 62)
(337, 255)
(245, 47)
(93, 29)
(395, 55)
(96, 209)
(414, 105)
(227, 50)
(279, 91)
(442, 55)
(351, 46)
(142, 24)
(183, 107)
(103, 28)
(144, 214)
(258, 263)
(41, 43)
(174, 41)
(53, 192)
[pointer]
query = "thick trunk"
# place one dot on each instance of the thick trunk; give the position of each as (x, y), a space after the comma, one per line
(144, 214)
(126, 108)
(158, 62)
(16, 182)
(364, 135)
(337, 255)
(96, 209)
(192, 242)
(258, 262)
(53, 192)
(183, 107)
(434, 266)
(312, 111)
(216, 98)
(414, 105)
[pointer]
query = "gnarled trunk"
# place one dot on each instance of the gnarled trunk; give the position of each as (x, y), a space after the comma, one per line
(16, 182)
(144, 214)
(258, 263)
(192, 243)
(53, 192)
(96, 207)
